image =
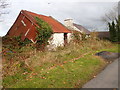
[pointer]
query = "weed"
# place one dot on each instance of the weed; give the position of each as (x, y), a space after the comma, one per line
(61, 68)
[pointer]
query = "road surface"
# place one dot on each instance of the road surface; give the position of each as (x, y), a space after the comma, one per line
(108, 78)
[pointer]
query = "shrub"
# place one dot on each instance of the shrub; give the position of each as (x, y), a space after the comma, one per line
(76, 36)
(44, 33)
(14, 42)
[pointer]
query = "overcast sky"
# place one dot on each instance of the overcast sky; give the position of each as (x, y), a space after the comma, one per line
(82, 12)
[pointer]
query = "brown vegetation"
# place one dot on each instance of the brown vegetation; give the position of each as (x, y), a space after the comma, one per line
(27, 57)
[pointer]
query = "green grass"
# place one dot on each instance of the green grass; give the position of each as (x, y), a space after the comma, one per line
(55, 69)
(114, 48)
(69, 75)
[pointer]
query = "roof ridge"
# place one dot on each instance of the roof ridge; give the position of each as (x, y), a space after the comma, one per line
(29, 16)
(49, 19)
(34, 13)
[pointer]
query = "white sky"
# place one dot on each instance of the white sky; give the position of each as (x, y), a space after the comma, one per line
(84, 12)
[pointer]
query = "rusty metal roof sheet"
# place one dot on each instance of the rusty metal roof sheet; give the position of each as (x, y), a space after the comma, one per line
(57, 27)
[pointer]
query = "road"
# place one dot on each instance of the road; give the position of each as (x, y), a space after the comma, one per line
(108, 78)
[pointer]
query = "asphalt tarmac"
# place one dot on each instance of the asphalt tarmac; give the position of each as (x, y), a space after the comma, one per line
(108, 78)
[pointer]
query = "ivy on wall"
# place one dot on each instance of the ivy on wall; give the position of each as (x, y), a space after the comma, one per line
(44, 32)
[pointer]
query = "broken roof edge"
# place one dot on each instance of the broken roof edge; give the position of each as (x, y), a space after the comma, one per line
(24, 12)
(32, 19)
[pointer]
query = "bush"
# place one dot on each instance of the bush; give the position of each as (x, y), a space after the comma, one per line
(43, 34)
(114, 29)
(76, 36)
(15, 42)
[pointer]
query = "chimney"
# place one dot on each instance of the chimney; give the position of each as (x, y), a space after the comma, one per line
(68, 23)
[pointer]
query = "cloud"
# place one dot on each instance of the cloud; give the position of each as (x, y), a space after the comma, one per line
(87, 14)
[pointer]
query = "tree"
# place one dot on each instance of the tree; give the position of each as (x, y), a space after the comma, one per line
(113, 21)
(118, 28)
(111, 15)
(114, 29)
(3, 5)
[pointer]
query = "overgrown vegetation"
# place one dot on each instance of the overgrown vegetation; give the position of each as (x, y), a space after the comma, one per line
(14, 53)
(14, 42)
(69, 66)
(76, 36)
(43, 34)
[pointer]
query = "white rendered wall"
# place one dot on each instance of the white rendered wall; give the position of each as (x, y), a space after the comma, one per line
(57, 39)
(69, 37)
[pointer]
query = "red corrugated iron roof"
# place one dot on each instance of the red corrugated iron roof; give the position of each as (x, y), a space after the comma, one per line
(57, 27)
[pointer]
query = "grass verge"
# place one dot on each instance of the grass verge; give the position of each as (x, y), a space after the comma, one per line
(67, 67)
(72, 74)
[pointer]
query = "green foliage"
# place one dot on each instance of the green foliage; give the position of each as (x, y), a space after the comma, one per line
(78, 37)
(118, 28)
(25, 42)
(70, 75)
(44, 32)
(114, 29)
(14, 42)
(20, 67)
(22, 43)
(83, 36)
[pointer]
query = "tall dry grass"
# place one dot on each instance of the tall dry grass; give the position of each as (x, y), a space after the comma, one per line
(28, 58)
(70, 51)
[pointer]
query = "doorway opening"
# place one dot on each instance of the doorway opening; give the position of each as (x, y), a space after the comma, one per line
(65, 38)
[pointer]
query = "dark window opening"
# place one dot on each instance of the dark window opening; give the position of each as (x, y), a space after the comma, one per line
(65, 38)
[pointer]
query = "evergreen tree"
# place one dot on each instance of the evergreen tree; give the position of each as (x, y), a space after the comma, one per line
(118, 28)
(114, 29)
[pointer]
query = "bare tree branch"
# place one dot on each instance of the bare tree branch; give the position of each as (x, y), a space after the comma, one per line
(3, 5)
(111, 15)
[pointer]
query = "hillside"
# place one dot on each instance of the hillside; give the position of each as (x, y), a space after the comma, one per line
(67, 67)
